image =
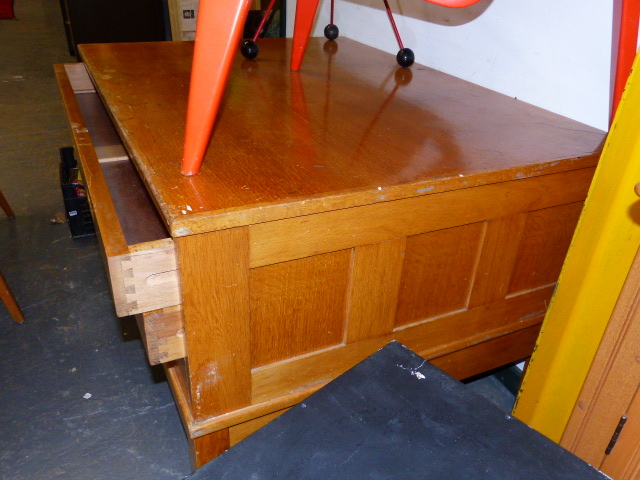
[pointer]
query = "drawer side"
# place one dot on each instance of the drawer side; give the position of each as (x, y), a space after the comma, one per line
(138, 252)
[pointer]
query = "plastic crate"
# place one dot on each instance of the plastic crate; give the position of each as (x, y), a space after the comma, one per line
(76, 204)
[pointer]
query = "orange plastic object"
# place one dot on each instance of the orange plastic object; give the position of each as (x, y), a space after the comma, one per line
(220, 24)
(453, 3)
(627, 46)
(305, 14)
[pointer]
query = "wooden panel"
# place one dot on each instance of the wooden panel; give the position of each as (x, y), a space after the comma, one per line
(239, 432)
(486, 356)
(375, 281)
(437, 272)
(430, 339)
(138, 216)
(145, 280)
(611, 385)
(177, 377)
(623, 463)
(368, 142)
(309, 235)
(499, 249)
(96, 117)
(206, 447)
(163, 334)
(279, 386)
(298, 306)
(544, 245)
(215, 302)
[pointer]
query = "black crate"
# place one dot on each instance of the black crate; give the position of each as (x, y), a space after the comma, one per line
(76, 205)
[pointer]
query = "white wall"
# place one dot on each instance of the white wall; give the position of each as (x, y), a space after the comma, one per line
(555, 54)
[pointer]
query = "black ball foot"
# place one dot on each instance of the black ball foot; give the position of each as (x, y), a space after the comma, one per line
(249, 49)
(405, 57)
(331, 31)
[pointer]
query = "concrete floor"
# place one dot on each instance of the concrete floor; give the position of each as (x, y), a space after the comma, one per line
(77, 396)
(71, 343)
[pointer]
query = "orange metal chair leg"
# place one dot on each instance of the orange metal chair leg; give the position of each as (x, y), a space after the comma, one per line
(220, 24)
(218, 32)
(10, 301)
(305, 14)
(627, 38)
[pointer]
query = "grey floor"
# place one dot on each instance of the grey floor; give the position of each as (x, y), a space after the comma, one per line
(78, 399)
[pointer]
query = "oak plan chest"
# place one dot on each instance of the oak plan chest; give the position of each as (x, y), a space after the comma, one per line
(338, 208)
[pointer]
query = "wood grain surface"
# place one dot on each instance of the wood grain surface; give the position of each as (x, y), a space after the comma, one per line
(348, 129)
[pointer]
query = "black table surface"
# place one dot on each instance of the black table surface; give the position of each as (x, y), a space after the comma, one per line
(395, 416)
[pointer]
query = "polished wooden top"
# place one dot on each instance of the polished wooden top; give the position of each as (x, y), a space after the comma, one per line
(351, 128)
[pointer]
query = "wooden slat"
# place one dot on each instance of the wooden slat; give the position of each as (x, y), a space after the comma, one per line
(437, 273)
(374, 286)
(298, 307)
(215, 302)
(299, 237)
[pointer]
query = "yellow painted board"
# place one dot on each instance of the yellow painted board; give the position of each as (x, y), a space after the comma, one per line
(603, 247)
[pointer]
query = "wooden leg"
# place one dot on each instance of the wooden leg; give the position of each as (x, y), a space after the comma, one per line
(305, 14)
(214, 270)
(9, 301)
(5, 206)
(218, 31)
(206, 448)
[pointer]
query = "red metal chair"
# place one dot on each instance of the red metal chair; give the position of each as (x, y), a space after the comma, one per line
(218, 31)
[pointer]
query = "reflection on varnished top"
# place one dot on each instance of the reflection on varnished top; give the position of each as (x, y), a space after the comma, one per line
(346, 130)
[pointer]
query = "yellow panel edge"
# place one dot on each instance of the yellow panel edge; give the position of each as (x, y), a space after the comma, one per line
(602, 250)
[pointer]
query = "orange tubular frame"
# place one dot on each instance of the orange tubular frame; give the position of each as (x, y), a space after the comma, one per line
(218, 31)
(627, 38)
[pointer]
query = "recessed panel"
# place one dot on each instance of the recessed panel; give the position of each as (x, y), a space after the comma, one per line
(437, 272)
(298, 306)
(543, 247)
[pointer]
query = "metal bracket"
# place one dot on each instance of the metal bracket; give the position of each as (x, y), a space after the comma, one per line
(616, 434)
